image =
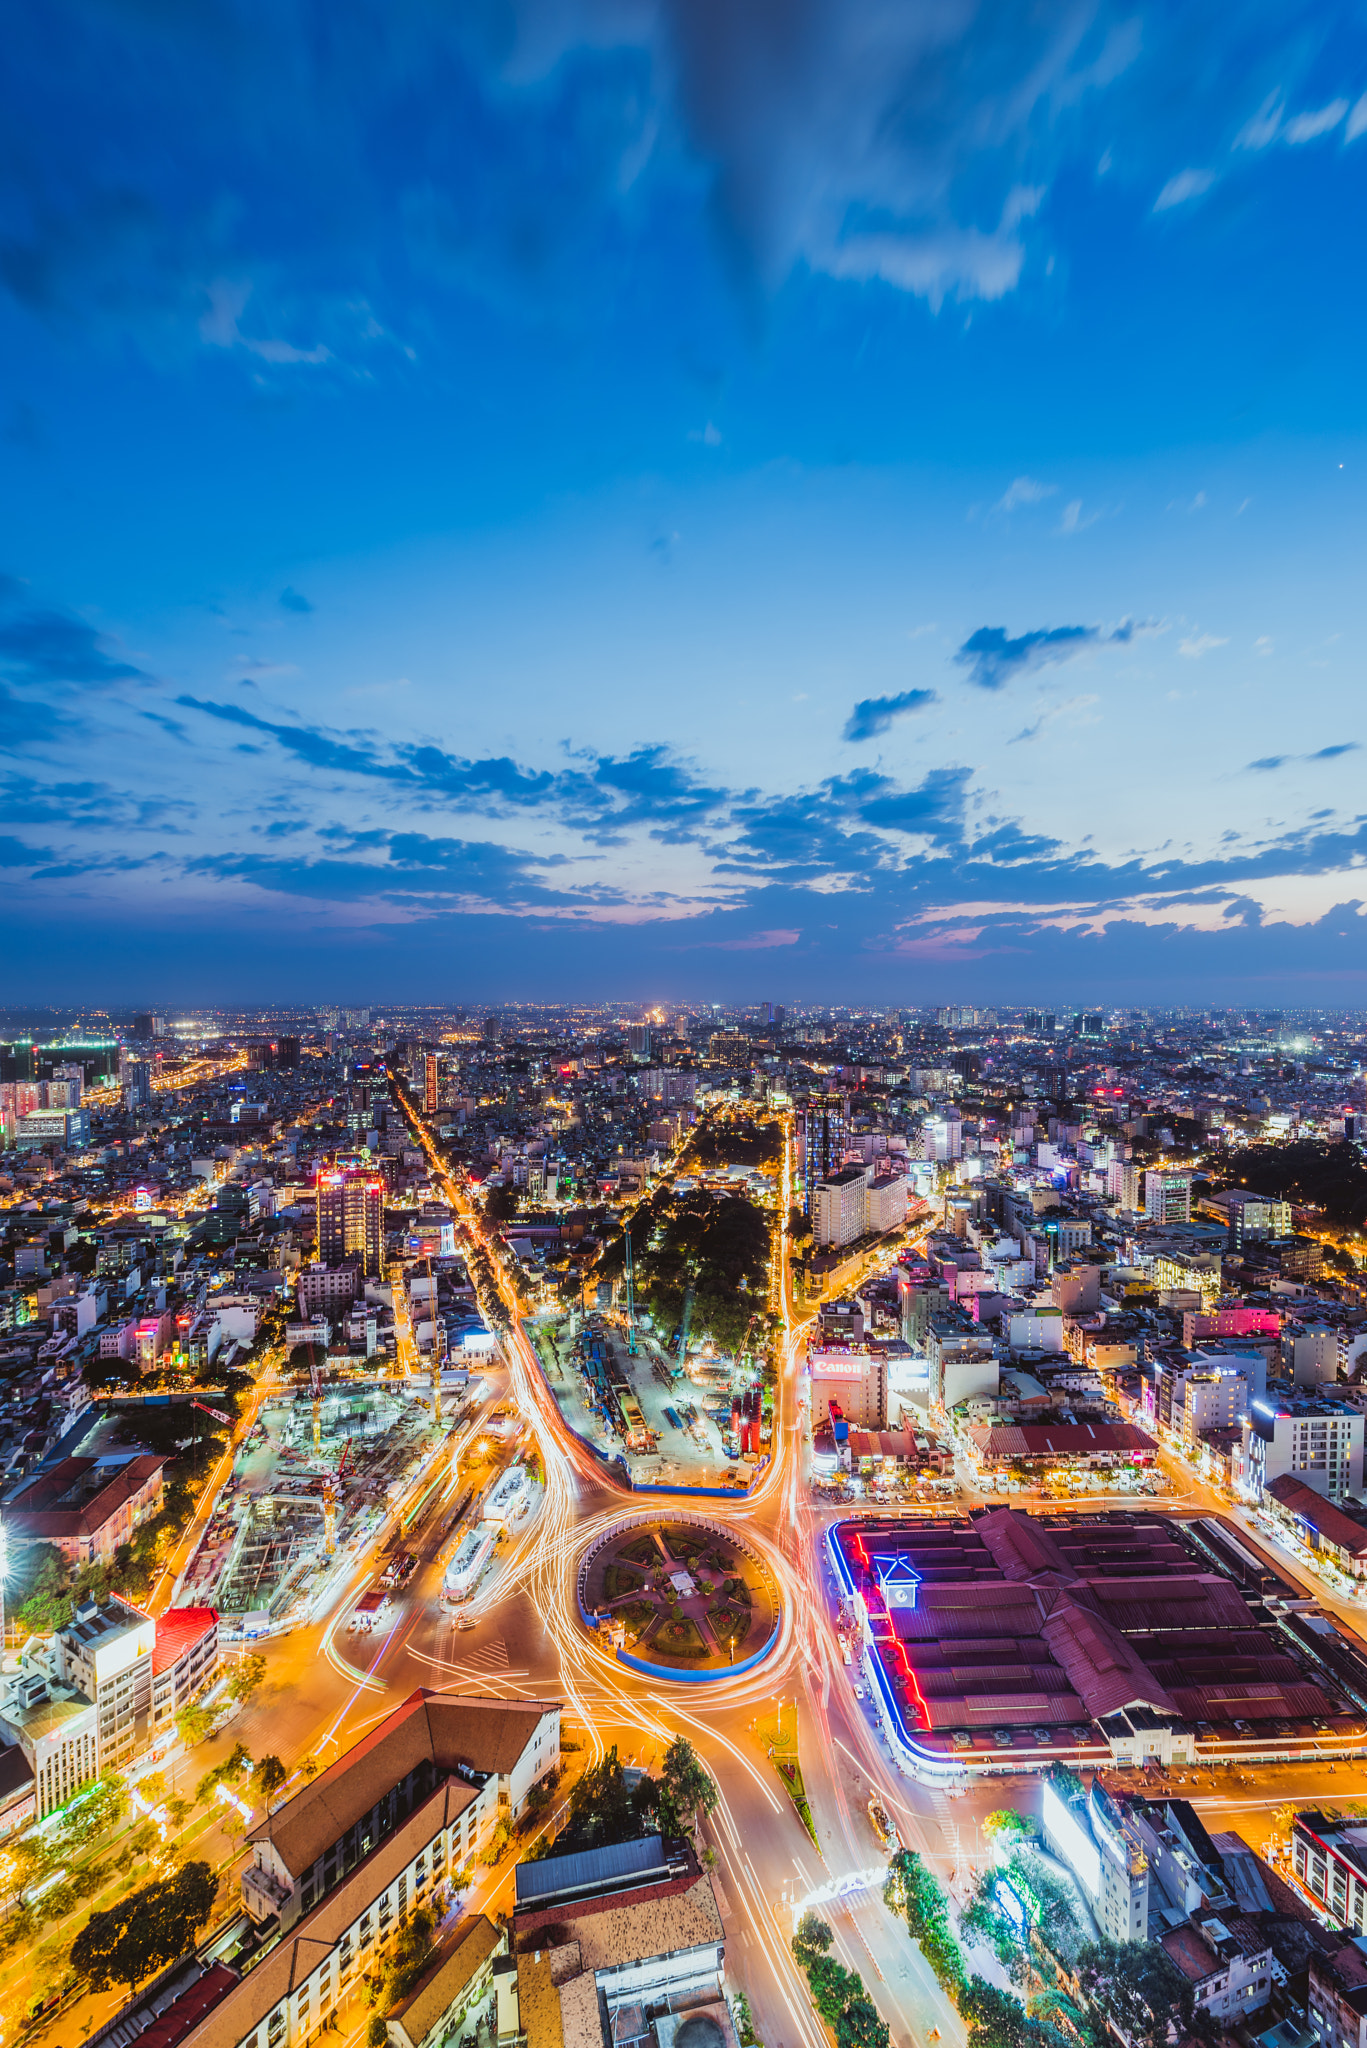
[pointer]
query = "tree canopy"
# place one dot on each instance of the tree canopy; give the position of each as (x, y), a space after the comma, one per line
(718, 1243)
(145, 1931)
(685, 1787)
(1139, 1990)
(604, 1808)
(1314, 1171)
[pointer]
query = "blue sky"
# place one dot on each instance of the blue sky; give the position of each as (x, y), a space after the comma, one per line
(818, 501)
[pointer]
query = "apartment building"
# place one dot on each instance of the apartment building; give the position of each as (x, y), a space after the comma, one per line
(1317, 1440)
(492, 1751)
(107, 1654)
(184, 1659)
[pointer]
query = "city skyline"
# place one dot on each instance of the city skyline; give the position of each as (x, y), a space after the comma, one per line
(588, 498)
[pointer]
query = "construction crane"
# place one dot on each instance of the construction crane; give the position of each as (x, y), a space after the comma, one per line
(631, 1296)
(330, 1488)
(438, 1345)
(687, 1318)
(316, 1383)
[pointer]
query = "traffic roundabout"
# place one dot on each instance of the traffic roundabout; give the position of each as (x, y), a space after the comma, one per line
(679, 1597)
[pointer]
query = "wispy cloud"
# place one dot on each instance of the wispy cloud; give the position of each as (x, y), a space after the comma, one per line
(873, 715)
(1309, 127)
(1197, 644)
(1023, 490)
(993, 658)
(47, 647)
(1269, 762)
(1190, 184)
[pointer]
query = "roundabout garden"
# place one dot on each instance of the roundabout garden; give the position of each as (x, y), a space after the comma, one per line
(680, 1596)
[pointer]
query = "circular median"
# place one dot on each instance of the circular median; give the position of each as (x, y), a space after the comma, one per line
(679, 1597)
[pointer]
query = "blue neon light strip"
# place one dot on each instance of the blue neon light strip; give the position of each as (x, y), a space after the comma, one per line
(926, 1758)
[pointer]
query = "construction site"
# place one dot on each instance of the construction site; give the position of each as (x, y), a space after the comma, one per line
(699, 1421)
(327, 1471)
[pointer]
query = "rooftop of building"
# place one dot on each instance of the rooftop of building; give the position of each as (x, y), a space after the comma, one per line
(1060, 1439)
(1007, 1620)
(458, 1961)
(447, 1731)
(178, 1630)
(71, 1499)
(286, 1966)
(96, 1623)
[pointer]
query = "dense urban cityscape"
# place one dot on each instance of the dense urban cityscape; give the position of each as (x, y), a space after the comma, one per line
(551, 1523)
(683, 1040)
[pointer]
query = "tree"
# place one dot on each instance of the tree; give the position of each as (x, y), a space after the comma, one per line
(45, 1603)
(838, 1994)
(1138, 1989)
(1006, 1824)
(500, 1205)
(922, 1898)
(149, 1929)
(995, 2019)
(235, 1765)
(603, 1808)
(269, 1777)
(309, 1769)
(813, 1937)
(246, 1679)
(193, 1725)
(685, 1786)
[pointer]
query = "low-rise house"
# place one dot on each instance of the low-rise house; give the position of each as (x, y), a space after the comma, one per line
(86, 1507)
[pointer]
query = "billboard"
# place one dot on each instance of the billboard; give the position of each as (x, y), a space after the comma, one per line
(1073, 1840)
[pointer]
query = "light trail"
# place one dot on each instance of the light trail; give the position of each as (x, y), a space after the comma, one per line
(581, 1500)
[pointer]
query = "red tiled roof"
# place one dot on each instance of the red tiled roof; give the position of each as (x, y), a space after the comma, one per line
(177, 1630)
(1061, 1440)
(188, 2010)
(1308, 1506)
(32, 1514)
(1191, 1952)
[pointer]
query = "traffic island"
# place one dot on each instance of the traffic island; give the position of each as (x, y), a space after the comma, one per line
(679, 1597)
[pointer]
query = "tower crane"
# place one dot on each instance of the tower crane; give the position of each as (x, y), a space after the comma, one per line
(316, 1383)
(631, 1296)
(330, 1489)
(438, 1345)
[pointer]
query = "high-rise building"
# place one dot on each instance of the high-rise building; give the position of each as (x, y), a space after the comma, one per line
(351, 1220)
(144, 1025)
(638, 1041)
(106, 1652)
(431, 1082)
(1167, 1196)
(287, 1053)
(137, 1092)
(823, 1144)
(493, 1030)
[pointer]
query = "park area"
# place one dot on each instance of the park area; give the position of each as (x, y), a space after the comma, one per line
(681, 1596)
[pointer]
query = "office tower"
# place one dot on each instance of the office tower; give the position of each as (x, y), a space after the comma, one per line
(144, 1026)
(137, 1093)
(351, 1220)
(1167, 1196)
(431, 1082)
(73, 1075)
(287, 1054)
(823, 1143)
